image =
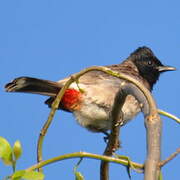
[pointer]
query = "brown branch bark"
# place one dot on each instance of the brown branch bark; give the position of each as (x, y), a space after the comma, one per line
(171, 157)
(153, 126)
(153, 130)
(113, 141)
(117, 119)
(153, 133)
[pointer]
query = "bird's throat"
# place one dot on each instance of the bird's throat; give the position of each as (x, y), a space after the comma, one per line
(71, 99)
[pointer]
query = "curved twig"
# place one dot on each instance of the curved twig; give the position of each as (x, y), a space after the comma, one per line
(84, 155)
(117, 119)
(151, 120)
(164, 113)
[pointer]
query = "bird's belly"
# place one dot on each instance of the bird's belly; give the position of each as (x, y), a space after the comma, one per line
(93, 117)
(97, 118)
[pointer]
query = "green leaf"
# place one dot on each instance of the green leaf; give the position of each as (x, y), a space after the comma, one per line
(5, 151)
(79, 176)
(33, 175)
(18, 175)
(28, 175)
(17, 150)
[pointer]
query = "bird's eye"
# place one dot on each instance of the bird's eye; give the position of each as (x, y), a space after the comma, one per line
(149, 63)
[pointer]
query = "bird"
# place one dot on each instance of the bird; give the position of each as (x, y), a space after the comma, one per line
(92, 106)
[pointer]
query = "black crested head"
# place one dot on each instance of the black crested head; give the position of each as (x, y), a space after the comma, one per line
(148, 65)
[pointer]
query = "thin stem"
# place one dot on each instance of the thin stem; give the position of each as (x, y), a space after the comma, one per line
(83, 155)
(55, 106)
(172, 156)
(14, 166)
(164, 113)
(75, 77)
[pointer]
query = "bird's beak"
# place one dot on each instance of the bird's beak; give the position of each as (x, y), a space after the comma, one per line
(166, 68)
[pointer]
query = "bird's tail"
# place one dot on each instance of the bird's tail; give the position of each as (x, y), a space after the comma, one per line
(33, 85)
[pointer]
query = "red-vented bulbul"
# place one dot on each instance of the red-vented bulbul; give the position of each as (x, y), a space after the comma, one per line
(92, 107)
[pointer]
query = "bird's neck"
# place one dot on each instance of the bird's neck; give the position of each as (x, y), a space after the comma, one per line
(131, 69)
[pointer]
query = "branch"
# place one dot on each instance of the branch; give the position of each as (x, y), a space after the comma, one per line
(113, 139)
(164, 113)
(117, 120)
(151, 120)
(84, 155)
(55, 106)
(153, 126)
(172, 156)
(56, 102)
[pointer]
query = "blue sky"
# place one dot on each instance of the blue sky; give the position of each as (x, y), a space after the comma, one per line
(53, 39)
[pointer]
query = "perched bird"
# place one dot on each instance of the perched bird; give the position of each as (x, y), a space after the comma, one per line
(92, 107)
